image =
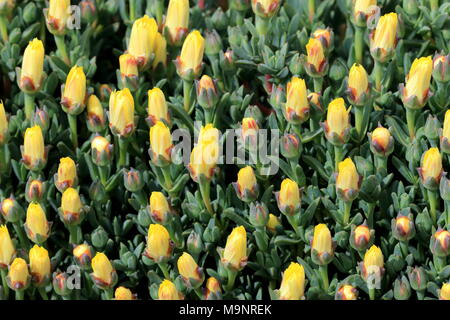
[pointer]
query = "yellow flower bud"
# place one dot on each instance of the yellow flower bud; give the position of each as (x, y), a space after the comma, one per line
(418, 80)
(203, 160)
(363, 9)
(444, 293)
(358, 84)
(67, 174)
(250, 131)
(123, 293)
(347, 177)
(82, 254)
(177, 20)
(188, 268)
(293, 283)
(431, 165)
(103, 271)
(190, 61)
(347, 292)
(265, 8)
(142, 40)
(207, 93)
(128, 66)
(32, 67)
(403, 224)
(235, 252)
(33, 151)
(315, 57)
(3, 125)
(441, 240)
(57, 16)
(71, 206)
(159, 207)
(95, 114)
(213, 290)
(446, 127)
(34, 190)
(39, 264)
(36, 223)
(157, 107)
(160, 143)
(159, 246)
(361, 237)
(324, 35)
(160, 51)
(208, 134)
(101, 150)
(273, 223)
(322, 242)
(168, 291)
(7, 249)
(121, 113)
(373, 262)
(289, 198)
(381, 139)
(297, 105)
(338, 121)
(18, 274)
(246, 181)
(384, 38)
(74, 96)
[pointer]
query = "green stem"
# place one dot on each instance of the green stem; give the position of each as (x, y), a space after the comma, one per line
(359, 44)
(372, 293)
(347, 209)
(311, 9)
(318, 84)
(378, 70)
(43, 293)
(133, 10)
(159, 11)
(231, 279)
(404, 248)
(205, 192)
(447, 214)
(434, 5)
(432, 199)
(239, 17)
(381, 164)
(411, 121)
(168, 183)
(18, 227)
(359, 121)
(187, 88)
(5, 284)
(293, 222)
(370, 212)
(73, 230)
(73, 130)
(29, 105)
(164, 269)
(4, 28)
(103, 173)
(20, 294)
(62, 49)
(338, 153)
(209, 115)
(109, 295)
(324, 275)
(123, 146)
(262, 25)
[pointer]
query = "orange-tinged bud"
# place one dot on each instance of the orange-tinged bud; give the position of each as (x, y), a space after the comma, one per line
(160, 144)
(234, 255)
(358, 85)
(142, 40)
(273, 223)
(57, 16)
(322, 245)
(208, 134)
(416, 91)
(18, 275)
(36, 224)
(168, 291)
(431, 168)
(160, 51)
(373, 263)
(361, 237)
(3, 125)
(444, 293)
(11, 210)
(128, 66)
(446, 128)
(121, 113)
(101, 151)
(177, 20)
(384, 38)
(441, 67)
(104, 274)
(39, 265)
(246, 186)
(315, 58)
(71, 207)
(265, 8)
(249, 131)
(440, 243)
(381, 141)
(189, 63)
(207, 93)
(213, 290)
(159, 208)
(337, 125)
(362, 10)
(95, 114)
(7, 249)
(31, 75)
(83, 255)
(296, 109)
(403, 228)
(123, 293)
(347, 292)
(73, 99)
(347, 180)
(67, 174)
(325, 36)
(35, 190)
(289, 198)
(203, 160)
(34, 155)
(159, 246)
(157, 107)
(293, 283)
(191, 273)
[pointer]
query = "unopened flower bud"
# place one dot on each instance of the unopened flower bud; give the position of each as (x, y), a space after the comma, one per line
(34, 153)
(246, 186)
(384, 39)
(445, 134)
(431, 170)
(293, 283)
(142, 41)
(322, 250)
(66, 177)
(121, 113)
(416, 91)
(227, 61)
(234, 256)
(372, 267)
(444, 292)
(82, 254)
(258, 214)
(358, 85)
(205, 154)
(190, 272)
(88, 11)
(159, 209)
(289, 197)
(123, 293)
(73, 99)
(57, 16)
(213, 43)
(411, 7)
(440, 243)
(213, 290)
(168, 291)
(36, 224)
(249, 132)
(316, 63)
(361, 237)
(265, 8)
(95, 114)
(35, 190)
(129, 74)
(441, 68)
(381, 142)
(41, 119)
(39, 266)
(348, 180)
(160, 51)
(159, 245)
(194, 243)
(160, 144)
(402, 289)
(273, 223)
(157, 107)
(72, 211)
(363, 10)
(7, 250)
(31, 74)
(4, 135)
(60, 284)
(337, 125)
(11, 210)
(346, 292)
(296, 110)
(325, 36)
(177, 21)
(103, 273)
(417, 278)
(190, 62)
(207, 93)
(133, 180)
(18, 276)
(290, 146)
(403, 228)
(101, 151)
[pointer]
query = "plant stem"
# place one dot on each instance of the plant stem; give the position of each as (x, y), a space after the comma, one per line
(311, 9)
(432, 199)
(187, 88)
(18, 227)
(5, 284)
(370, 211)
(123, 146)
(109, 294)
(324, 275)
(372, 293)
(378, 70)
(262, 26)
(43, 293)
(293, 222)
(167, 177)
(404, 248)
(359, 44)
(205, 191)
(103, 173)
(318, 83)
(381, 163)
(359, 121)
(347, 209)
(434, 5)
(73, 130)
(231, 279)
(4, 28)
(337, 157)
(29, 105)
(62, 49)
(164, 269)
(411, 121)
(73, 230)
(132, 12)
(20, 294)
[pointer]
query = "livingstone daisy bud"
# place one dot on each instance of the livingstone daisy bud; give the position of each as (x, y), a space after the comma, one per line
(159, 245)
(348, 180)
(316, 64)
(4, 135)
(403, 227)
(361, 237)
(72, 211)
(445, 134)
(123, 293)
(35, 190)
(73, 99)
(39, 265)
(177, 21)
(384, 39)
(190, 272)
(129, 74)
(190, 62)
(7, 250)
(207, 93)
(363, 10)
(133, 180)
(57, 16)
(337, 125)
(6, 6)
(104, 275)
(273, 223)
(157, 107)
(258, 214)
(95, 114)
(159, 209)
(417, 278)
(168, 291)
(160, 144)
(358, 89)
(66, 177)
(249, 132)
(11, 210)
(212, 290)
(234, 256)
(296, 109)
(60, 283)
(41, 118)
(82, 254)
(203, 160)
(440, 243)
(265, 8)
(293, 283)
(34, 153)
(381, 142)
(441, 68)
(290, 146)
(417, 89)
(31, 74)
(346, 292)
(18, 276)
(121, 113)
(101, 151)
(372, 267)
(246, 185)
(322, 250)
(444, 293)
(36, 224)
(142, 41)
(325, 36)
(431, 170)
(289, 197)
(160, 51)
